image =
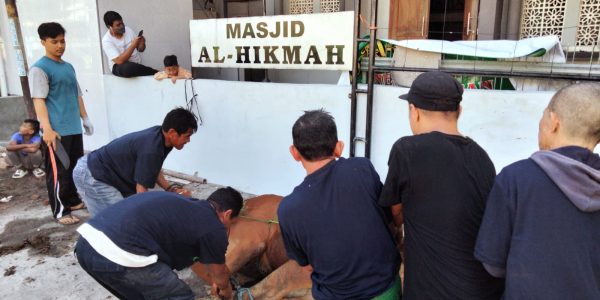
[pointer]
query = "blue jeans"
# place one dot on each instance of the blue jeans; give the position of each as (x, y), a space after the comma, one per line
(95, 194)
(156, 281)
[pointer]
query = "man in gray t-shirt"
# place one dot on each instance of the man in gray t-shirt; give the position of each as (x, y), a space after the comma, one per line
(60, 110)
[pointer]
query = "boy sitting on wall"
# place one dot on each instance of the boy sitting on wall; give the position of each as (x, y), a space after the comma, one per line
(23, 150)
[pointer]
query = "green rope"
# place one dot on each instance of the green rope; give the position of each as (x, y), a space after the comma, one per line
(268, 221)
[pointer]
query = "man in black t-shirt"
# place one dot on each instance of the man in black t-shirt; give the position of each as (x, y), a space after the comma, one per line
(132, 247)
(132, 163)
(437, 185)
(331, 223)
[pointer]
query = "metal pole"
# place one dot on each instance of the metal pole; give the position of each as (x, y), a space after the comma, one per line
(353, 95)
(491, 73)
(371, 77)
(15, 29)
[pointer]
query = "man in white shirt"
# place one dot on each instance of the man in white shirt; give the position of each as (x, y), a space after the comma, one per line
(123, 48)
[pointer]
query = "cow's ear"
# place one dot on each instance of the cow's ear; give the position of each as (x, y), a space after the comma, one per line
(295, 153)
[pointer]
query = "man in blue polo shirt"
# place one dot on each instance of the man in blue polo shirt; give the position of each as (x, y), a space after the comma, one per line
(331, 223)
(59, 106)
(541, 225)
(132, 247)
(133, 163)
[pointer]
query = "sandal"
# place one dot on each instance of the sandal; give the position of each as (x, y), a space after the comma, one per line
(68, 220)
(78, 206)
(20, 173)
(38, 173)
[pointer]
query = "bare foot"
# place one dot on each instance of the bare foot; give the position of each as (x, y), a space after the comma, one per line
(78, 206)
(68, 220)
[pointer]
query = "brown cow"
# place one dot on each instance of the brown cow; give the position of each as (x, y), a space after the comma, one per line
(256, 246)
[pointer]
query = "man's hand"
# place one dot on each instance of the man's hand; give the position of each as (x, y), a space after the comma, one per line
(50, 137)
(135, 43)
(226, 293)
(182, 191)
(141, 46)
(87, 125)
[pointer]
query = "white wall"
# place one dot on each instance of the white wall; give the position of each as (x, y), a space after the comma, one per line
(247, 126)
(165, 24)
(246, 129)
(8, 56)
(79, 18)
(504, 123)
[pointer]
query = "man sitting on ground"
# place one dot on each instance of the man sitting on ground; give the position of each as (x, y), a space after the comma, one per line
(123, 48)
(132, 247)
(132, 163)
(331, 223)
(540, 228)
(23, 150)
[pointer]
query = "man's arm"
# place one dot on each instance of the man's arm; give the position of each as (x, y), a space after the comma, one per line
(32, 148)
(398, 221)
(140, 188)
(13, 146)
(42, 113)
(87, 124)
(164, 184)
(124, 57)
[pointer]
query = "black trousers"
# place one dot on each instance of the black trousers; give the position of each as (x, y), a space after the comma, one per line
(131, 69)
(62, 194)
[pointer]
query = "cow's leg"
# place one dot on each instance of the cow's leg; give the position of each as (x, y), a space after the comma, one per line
(289, 280)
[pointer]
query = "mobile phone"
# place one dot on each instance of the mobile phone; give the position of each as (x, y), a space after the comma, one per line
(141, 32)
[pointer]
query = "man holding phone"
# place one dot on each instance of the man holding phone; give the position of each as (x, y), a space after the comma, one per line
(123, 49)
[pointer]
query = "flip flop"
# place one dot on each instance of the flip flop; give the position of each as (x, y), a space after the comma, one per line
(68, 220)
(78, 206)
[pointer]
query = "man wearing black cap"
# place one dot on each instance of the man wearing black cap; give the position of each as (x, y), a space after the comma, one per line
(437, 185)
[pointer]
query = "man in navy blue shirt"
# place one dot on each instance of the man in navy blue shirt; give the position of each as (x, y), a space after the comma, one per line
(331, 223)
(541, 225)
(132, 163)
(132, 247)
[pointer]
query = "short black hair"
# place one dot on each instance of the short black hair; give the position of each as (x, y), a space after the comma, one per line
(50, 30)
(35, 124)
(181, 120)
(170, 61)
(227, 198)
(315, 135)
(111, 16)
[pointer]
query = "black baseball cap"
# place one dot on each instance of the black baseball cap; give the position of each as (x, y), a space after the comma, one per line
(435, 91)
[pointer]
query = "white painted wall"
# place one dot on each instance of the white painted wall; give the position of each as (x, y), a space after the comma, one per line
(247, 126)
(8, 56)
(504, 123)
(79, 18)
(165, 24)
(246, 129)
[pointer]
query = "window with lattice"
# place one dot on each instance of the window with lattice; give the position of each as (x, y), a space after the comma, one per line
(313, 6)
(328, 6)
(589, 23)
(543, 17)
(301, 7)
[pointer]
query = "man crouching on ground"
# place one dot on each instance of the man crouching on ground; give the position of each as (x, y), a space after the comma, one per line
(133, 163)
(132, 247)
(331, 223)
